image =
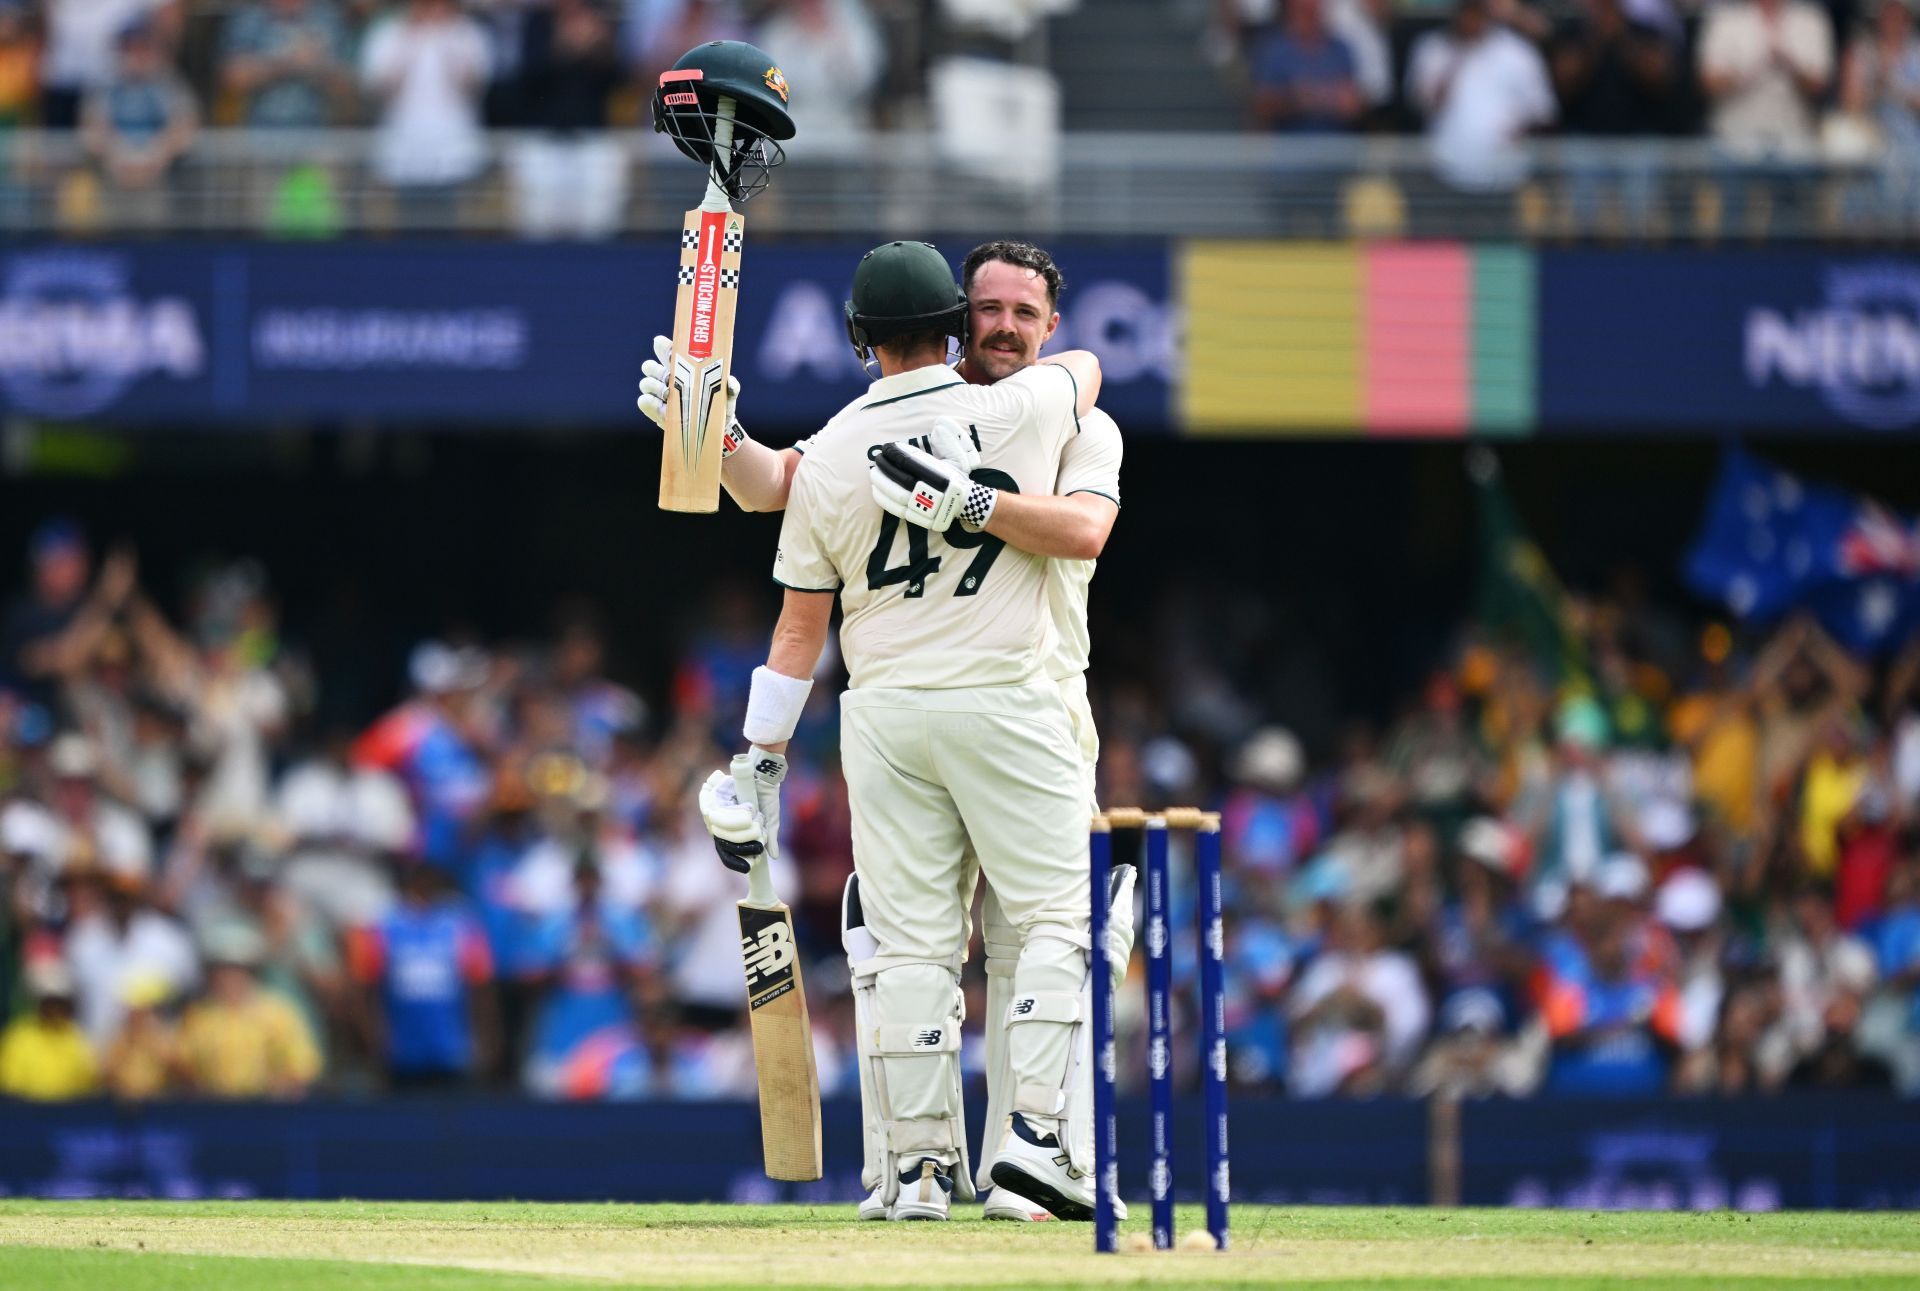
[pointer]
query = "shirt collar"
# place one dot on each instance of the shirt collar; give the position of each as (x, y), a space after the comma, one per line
(901, 385)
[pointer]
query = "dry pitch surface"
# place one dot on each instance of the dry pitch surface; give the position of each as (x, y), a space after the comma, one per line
(162, 1246)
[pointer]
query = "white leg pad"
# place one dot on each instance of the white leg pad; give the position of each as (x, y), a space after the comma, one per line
(1046, 1010)
(915, 1039)
(1003, 957)
(861, 947)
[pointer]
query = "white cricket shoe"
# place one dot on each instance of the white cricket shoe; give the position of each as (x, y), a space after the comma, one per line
(873, 1205)
(926, 1192)
(1035, 1165)
(1005, 1203)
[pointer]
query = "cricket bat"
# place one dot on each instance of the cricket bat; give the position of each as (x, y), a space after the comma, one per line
(709, 286)
(782, 1034)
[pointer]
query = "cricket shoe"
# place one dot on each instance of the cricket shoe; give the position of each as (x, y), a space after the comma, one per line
(1005, 1203)
(926, 1192)
(1035, 1165)
(874, 1205)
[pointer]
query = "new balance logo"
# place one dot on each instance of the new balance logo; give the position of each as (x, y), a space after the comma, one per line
(927, 1039)
(1023, 1006)
(768, 954)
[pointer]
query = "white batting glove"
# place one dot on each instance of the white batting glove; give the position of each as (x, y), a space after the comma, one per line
(757, 776)
(929, 492)
(953, 445)
(738, 829)
(654, 385)
(1119, 942)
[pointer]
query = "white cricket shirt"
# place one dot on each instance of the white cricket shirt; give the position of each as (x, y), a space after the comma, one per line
(923, 610)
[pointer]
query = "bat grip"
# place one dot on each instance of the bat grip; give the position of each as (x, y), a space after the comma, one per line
(760, 874)
(724, 111)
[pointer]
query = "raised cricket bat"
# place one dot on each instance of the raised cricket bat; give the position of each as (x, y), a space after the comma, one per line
(782, 1035)
(710, 240)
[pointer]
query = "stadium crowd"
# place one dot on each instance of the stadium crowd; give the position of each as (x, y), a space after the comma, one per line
(1642, 860)
(1782, 89)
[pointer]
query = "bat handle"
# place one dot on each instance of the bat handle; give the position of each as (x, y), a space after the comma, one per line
(760, 874)
(722, 153)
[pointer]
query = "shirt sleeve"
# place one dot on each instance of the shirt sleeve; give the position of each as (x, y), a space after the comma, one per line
(1048, 389)
(1091, 461)
(801, 562)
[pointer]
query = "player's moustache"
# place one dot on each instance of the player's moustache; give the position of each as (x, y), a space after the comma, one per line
(1001, 338)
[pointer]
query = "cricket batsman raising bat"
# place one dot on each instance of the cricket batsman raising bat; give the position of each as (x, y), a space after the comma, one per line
(725, 105)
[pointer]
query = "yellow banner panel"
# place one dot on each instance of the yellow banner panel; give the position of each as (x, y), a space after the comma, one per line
(1273, 336)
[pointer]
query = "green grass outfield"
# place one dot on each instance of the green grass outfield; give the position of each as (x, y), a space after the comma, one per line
(320, 1246)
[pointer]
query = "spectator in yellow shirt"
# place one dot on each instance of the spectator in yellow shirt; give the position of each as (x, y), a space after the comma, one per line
(145, 1059)
(44, 1055)
(241, 1041)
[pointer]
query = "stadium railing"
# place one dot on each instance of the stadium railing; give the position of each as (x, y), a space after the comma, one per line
(1105, 184)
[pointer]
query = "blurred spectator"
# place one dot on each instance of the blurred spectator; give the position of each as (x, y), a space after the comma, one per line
(1880, 94)
(594, 960)
(118, 938)
(1765, 65)
(1837, 1062)
(288, 63)
(1688, 905)
(1615, 77)
(435, 744)
(832, 49)
(1482, 89)
(343, 822)
(44, 1055)
(1304, 78)
(19, 64)
(241, 1041)
(425, 968)
(1359, 1013)
(137, 127)
(81, 59)
(1614, 1023)
(145, 1059)
(659, 31)
(1573, 816)
(52, 629)
(570, 176)
(1817, 964)
(427, 65)
(1472, 1056)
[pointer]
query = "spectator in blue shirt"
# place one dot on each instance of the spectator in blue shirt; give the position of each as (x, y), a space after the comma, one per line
(595, 960)
(288, 59)
(424, 967)
(1304, 76)
(139, 125)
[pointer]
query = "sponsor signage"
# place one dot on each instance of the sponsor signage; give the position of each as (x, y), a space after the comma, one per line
(1686, 341)
(496, 334)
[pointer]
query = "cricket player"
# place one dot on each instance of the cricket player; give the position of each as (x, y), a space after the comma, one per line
(954, 742)
(1013, 289)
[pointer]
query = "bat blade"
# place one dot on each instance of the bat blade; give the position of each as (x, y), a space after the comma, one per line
(782, 1043)
(709, 287)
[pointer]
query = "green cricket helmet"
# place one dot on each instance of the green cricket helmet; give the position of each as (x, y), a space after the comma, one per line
(903, 287)
(686, 107)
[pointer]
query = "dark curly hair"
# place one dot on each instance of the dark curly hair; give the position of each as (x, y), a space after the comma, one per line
(1023, 255)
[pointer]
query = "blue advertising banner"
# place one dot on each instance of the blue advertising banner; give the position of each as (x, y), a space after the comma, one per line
(1813, 1151)
(488, 334)
(1686, 341)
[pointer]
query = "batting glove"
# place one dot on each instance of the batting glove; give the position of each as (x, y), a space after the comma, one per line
(765, 772)
(923, 489)
(738, 829)
(654, 385)
(953, 445)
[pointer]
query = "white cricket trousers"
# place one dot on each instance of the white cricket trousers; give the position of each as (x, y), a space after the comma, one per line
(935, 774)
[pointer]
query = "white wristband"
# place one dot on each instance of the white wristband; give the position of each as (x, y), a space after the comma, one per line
(774, 704)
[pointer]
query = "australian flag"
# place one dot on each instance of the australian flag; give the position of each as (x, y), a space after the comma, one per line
(1772, 544)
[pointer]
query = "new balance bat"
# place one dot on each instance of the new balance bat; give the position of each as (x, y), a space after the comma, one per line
(782, 1033)
(710, 241)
